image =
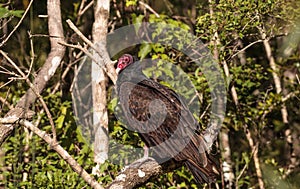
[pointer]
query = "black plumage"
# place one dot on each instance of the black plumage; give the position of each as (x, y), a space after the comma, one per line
(163, 121)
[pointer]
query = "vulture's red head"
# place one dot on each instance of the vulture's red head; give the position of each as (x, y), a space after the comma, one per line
(124, 61)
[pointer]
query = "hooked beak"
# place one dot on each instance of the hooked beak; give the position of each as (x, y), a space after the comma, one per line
(118, 70)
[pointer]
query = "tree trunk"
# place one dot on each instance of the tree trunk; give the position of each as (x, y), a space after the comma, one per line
(99, 83)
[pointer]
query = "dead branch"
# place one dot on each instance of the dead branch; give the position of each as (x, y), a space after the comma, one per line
(136, 173)
(149, 8)
(245, 48)
(100, 81)
(254, 148)
(101, 51)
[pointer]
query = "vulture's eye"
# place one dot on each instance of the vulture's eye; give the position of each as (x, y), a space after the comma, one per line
(126, 59)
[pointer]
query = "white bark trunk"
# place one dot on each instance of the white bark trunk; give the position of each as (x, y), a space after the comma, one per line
(99, 83)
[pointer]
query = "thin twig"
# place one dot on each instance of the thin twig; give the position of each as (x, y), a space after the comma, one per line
(255, 157)
(10, 80)
(32, 54)
(62, 152)
(205, 111)
(245, 167)
(13, 64)
(243, 49)
(4, 101)
(19, 23)
(8, 72)
(149, 8)
(80, 48)
(86, 40)
(35, 91)
(104, 55)
(82, 11)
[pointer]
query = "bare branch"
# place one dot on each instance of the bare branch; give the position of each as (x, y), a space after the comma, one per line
(3, 100)
(245, 48)
(100, 81)
(83, 9)
(101, 51)
(149, 8)
(18, 24)
(136, 173)
(224, 138)
(255, 157)
(83, 49)
(64, 154)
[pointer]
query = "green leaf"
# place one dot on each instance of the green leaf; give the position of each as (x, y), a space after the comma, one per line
(4, 12)
(17, 13)
(145, 50)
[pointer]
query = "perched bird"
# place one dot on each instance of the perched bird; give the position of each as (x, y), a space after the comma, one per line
(163, 121)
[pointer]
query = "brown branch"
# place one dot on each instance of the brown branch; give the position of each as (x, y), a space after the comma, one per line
(245, 48)
(100, 81)
(83, 49)
(3, 100)
(55, 146)
(136, 173)
(254, 148)
(83, 9)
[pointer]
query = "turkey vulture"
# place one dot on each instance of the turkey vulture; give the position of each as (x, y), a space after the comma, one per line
(163, 121)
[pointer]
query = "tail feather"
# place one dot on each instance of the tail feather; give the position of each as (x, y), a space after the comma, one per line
(207, 174)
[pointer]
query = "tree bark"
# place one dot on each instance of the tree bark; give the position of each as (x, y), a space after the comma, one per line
(99, 82)
(136, 173)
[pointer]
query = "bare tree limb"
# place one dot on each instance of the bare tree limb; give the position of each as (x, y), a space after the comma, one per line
(136, 173)
(55, 146)
(245, 48)
(101, 51)
(83, 49)
(149, 8)
(255, 158)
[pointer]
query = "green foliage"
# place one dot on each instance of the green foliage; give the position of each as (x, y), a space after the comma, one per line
(131, 3)
(259, 106)
(4, 13)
